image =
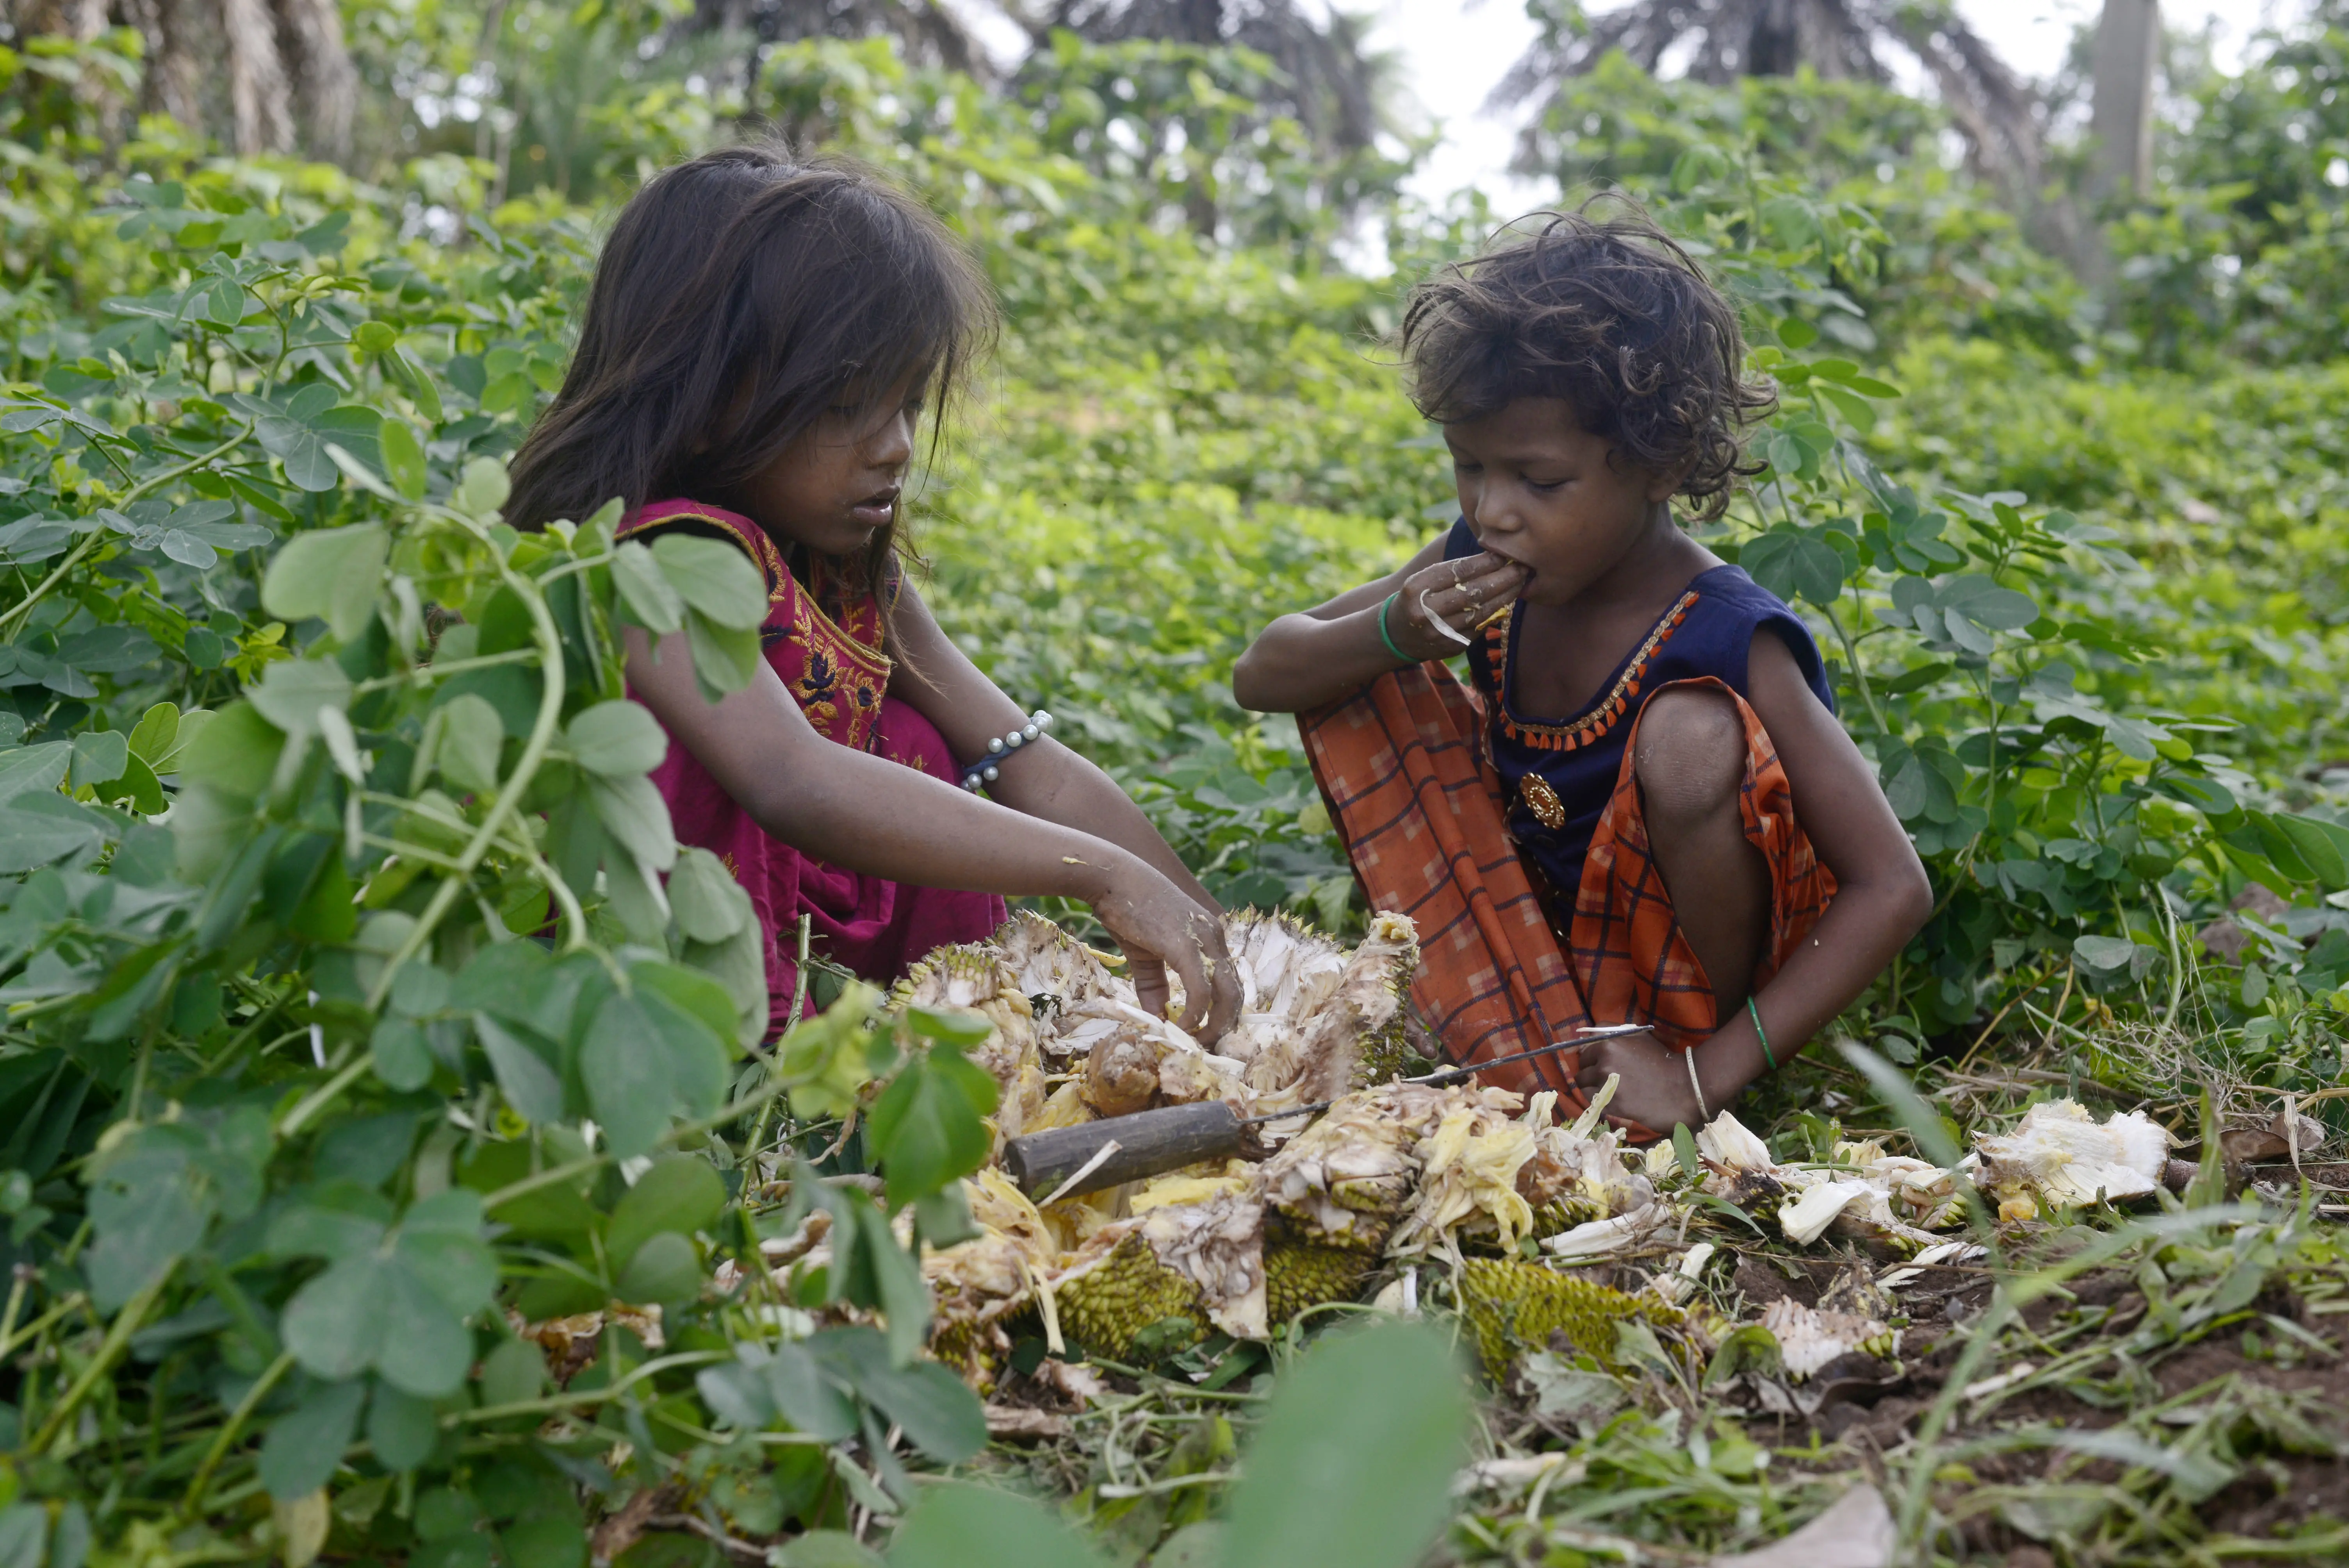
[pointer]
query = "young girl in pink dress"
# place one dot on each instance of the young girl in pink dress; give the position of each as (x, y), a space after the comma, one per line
(761, 340)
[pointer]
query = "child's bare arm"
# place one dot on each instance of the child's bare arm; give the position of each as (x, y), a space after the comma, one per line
(1882, 897)
(1333, 650)
(1049, 781)
(874, 816)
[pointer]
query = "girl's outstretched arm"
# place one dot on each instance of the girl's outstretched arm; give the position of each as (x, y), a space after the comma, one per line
(879, 817)
(1335, 649)
(1050, 781)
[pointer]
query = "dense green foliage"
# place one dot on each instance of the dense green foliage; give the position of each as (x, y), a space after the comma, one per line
(315, 1091)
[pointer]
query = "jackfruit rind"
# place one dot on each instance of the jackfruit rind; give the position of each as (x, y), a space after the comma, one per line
(1301, 1274)
(1103, 1306)
(1512, 1307)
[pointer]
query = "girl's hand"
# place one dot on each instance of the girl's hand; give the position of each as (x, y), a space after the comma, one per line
(1160, 927)
(1459, 594)
(1654, 1090)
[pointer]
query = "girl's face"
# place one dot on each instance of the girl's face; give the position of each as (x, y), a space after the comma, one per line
(1538, 490)
(838, 485)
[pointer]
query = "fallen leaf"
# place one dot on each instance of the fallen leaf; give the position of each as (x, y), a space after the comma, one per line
(1855, 1531)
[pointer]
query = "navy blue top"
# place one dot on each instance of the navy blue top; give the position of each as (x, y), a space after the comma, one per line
(1574, 760)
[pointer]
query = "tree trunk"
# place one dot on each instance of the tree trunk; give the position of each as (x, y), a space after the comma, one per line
(326, 84)
(261, 108)
(174, 83)
(2128, 41)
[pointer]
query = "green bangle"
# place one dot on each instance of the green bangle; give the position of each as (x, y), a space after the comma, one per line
(1756, 1013)
(1389, 641)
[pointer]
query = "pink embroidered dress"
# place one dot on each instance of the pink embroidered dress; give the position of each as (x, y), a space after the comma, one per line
(826, 645)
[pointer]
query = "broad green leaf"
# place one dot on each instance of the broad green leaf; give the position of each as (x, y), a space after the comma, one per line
(401, 1059)
(333, 573)
(927, 1128)
(471, 737)
(708, 904)
(666, 1268)
(482, 489)
(335, 1322)
(513, 1372)
(39, 768)
(100, 757)
(678, 1193)
(632, 811)
(401, 1428)
(714, 578)
(650, 601)
(1353, 1464)
(157, 733)
(724, 660)
(689, 992)
(292, 691)
(424, 1349)
(403, 459)
(530, 1085)
(627, 1076)
(304, 1445)
(964, 1524)
(23, 1531)
(939, 1414)
(809, 1394)
(2104, 953)
(616, 740)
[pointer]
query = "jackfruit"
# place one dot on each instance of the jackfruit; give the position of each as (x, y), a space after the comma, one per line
(2060, 1155)
(974, 978)
(1468, 1176)
(1105, 1301)
(1053, 970)
(1346, 1179)
(1512, 1306)
(1300, 1274)
(1357, 1037)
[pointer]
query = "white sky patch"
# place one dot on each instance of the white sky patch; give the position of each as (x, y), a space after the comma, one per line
(1454, 53)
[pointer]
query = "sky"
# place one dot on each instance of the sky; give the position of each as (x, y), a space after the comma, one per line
(1454, 53)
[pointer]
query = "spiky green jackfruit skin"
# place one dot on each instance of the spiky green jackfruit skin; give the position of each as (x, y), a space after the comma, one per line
(1298, 1275)
(1514, 1306)
(1381, 1053)
(1106, 1306)
(1565, 1213)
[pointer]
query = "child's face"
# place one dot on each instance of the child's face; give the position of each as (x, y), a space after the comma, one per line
(1538, 490)
(834, 486)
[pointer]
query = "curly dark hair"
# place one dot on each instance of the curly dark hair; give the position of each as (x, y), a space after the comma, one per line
(1599, 307)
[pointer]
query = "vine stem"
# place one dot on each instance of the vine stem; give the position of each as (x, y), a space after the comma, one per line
(229, 1432)
(591, 1162)
(118, 1339)
(799, 1000)
(11, 623)
(493, 823)
(1858, 675)
(534, 752)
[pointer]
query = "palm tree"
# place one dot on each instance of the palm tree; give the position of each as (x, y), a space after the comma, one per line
(1722, 40)
(272, 74)
(1335, 86)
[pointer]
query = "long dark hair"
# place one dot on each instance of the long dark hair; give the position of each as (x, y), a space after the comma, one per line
(740, 297)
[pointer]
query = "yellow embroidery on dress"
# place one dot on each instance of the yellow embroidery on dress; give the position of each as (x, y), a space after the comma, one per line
(1591, 726)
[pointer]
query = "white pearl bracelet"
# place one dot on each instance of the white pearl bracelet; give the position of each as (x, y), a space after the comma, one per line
(982, 773)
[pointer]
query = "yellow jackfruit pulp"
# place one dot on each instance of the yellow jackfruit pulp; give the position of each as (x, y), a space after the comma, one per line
(1513, 1306)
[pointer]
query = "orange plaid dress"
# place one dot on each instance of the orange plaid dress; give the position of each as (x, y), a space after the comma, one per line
(1404, 767)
